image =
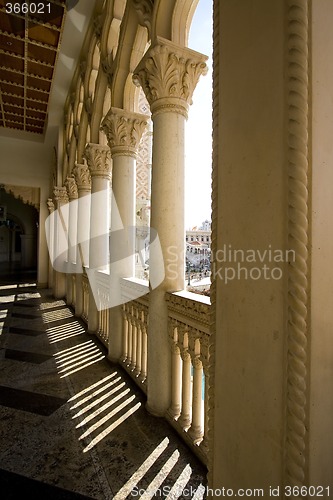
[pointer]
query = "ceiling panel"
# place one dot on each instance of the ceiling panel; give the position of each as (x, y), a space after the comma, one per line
(29, 46)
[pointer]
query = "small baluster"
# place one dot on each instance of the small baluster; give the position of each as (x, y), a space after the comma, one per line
(196, 431)
(134, 341)
(125, 335)
(185, 416)
(137, 370)
(174, 410)
(143, 374)
(130, 338)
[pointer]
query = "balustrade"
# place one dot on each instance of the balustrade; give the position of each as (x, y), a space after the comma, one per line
(135, 326)
(188, 318)
(188, 329)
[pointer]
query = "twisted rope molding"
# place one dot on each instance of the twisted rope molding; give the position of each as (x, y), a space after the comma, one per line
(209, 439)
(297, 155)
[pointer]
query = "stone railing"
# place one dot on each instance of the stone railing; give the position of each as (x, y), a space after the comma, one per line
(103, 296)
(188, 327)
(135, 329)
(85, 292)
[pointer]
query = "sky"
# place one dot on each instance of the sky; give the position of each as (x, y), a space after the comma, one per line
(198, 138)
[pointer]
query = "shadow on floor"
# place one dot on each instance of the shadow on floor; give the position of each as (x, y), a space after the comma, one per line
(73, 425)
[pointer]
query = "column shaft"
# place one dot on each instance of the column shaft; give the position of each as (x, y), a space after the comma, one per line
(124, 131)
(83, 181)
(98, 158)
(169, 99)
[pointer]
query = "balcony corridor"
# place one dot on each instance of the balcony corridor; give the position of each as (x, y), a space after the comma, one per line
(73, 425)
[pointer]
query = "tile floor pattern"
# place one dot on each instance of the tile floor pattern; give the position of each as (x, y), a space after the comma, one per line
(72, 425)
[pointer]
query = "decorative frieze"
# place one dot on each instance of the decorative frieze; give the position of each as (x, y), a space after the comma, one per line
(181, 306)
(124, 131)
(98, 159)
(82, 177)
(168, 75)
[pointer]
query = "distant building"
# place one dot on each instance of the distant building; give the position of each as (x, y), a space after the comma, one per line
(198, 242)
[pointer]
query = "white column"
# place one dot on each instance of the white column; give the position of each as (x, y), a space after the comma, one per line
(60, 241)
(168, 75)
(83, 181)
(50, 206)
(124, 131)
(72, 192)
(98, 158)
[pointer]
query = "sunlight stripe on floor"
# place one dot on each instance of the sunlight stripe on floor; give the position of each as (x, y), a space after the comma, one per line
(103, 408)
(91, 387)
(64, 352)
(84, 366)
(179, 486)
(113, 426)
(107, 417)
(95, 393)
(160, 477)
(142, 470)
(114, 400)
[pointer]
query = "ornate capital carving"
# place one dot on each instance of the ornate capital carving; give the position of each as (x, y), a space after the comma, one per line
(71, 187)
(124, 131)
(60, 195)
(50, 205)
(168, 75)
(98, 158)
(82, 177)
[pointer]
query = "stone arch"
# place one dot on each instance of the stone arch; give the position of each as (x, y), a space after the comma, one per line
(182, 19)
(93, 73)
(97, 107)
(113, 13)
(171, 19)
(124, 94)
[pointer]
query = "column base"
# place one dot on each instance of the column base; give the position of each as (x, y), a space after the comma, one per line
(152, 411)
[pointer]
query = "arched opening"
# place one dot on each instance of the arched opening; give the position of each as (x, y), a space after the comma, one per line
(18, 234)
(198, 161)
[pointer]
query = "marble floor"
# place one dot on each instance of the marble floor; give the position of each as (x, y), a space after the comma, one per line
(73, 425)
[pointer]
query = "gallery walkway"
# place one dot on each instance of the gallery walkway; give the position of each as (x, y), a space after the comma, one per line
(72, 425)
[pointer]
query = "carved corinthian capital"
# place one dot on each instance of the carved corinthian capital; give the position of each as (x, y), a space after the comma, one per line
(124, 131)
(168, 75)
(82, 177)
(50, 205)
(71, 187)
(60, 195)
(98, 158)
